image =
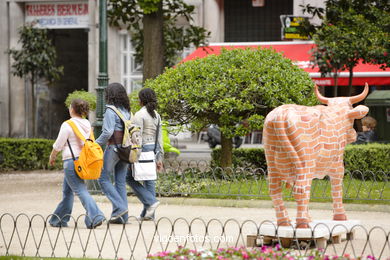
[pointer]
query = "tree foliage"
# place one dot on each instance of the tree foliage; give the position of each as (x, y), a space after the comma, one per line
(176, 35)
(352, 30)
(234, 87)
(35, 60)
(89, 97)
(37, 56)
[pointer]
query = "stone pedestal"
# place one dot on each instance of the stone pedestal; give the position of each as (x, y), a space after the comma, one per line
(320, 231)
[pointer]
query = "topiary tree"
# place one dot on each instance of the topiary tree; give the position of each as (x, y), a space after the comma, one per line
(84, 95)
(91, 99)
(228, 89)
(35, 60)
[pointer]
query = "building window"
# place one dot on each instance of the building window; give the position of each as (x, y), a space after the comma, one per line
(247, 23)
(131, 71)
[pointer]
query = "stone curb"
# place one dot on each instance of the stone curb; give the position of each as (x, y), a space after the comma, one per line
(256, 204)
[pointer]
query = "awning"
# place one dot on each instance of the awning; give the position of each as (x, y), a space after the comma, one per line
(299, 53)
(378, 98)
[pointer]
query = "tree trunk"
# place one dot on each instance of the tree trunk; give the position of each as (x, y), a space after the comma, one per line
(350, 81)
(153, 44)
(226, 152)
(33, 107)
(336, 77)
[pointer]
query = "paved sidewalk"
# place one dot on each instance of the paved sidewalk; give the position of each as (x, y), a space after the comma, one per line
(194, 150)
(39, 192)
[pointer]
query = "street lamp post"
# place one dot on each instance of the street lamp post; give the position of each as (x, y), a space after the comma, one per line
(103, 74)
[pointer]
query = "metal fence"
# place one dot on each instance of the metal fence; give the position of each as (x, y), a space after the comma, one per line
(199, 179)
(33, 236)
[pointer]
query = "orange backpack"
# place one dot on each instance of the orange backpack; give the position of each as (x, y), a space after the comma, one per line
(90, 162)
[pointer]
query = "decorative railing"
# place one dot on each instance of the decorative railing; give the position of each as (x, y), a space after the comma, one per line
(32, 236)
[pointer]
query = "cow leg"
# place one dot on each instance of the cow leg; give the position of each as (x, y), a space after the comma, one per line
(301, 192)
(336, 182)
(275, 192)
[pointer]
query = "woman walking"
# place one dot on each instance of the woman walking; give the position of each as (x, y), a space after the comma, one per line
(78, 110)
(112, 135)
(150, 122)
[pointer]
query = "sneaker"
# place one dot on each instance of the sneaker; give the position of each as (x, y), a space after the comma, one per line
(97, 224)
(140, 219)
(117, 221)
(118, 218)
(59, 225)
(149, 214)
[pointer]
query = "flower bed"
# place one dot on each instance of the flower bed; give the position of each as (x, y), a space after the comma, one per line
(258, 253)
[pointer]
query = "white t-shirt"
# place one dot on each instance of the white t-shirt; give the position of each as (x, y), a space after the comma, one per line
(66, 133)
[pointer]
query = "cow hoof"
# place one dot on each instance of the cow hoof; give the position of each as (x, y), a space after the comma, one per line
(340, 217)
(302, 225)
(284, 223)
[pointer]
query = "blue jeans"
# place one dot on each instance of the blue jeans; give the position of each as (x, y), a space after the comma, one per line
(146, 191)
(116, 192)
(73, 184)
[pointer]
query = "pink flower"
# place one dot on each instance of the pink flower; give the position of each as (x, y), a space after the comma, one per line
(164, 253)
(244, 255)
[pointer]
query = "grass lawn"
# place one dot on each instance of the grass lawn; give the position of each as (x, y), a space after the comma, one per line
(355, 190)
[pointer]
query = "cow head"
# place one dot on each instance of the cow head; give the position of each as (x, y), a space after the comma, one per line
(344, 106)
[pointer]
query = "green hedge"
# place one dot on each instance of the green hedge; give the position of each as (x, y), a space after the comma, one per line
(367, 157)
(364, 157)
(33, 154)
(26, 154)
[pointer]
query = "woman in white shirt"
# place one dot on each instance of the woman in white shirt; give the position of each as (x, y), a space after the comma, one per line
(150, 122)
(78, 110)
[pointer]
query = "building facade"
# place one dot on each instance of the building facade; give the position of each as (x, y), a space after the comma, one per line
(73, 27)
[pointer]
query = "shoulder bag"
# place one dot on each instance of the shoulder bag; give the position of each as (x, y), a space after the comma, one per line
(145, 169)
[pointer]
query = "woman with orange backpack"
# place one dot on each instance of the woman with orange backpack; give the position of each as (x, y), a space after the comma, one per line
(68, 142)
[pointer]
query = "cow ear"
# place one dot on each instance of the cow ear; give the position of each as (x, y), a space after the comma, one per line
(358, 112)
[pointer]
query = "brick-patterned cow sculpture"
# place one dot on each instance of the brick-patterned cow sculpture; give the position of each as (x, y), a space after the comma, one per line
(302, 143)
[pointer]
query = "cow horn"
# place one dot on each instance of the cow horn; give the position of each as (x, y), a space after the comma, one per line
(360, 97)
(320, 97)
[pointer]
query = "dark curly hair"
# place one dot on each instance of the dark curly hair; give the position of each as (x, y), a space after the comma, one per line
(116, 95)
(80, 107)
(148, 98)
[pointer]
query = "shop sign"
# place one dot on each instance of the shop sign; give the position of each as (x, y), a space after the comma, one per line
(57, 15)
(291, 27)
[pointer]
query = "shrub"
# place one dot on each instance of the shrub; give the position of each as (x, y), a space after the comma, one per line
(84, 95)
(236, 86)
(367, 157)
(363, 158)
(189, 181)
(26, 154)
(242, 157)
